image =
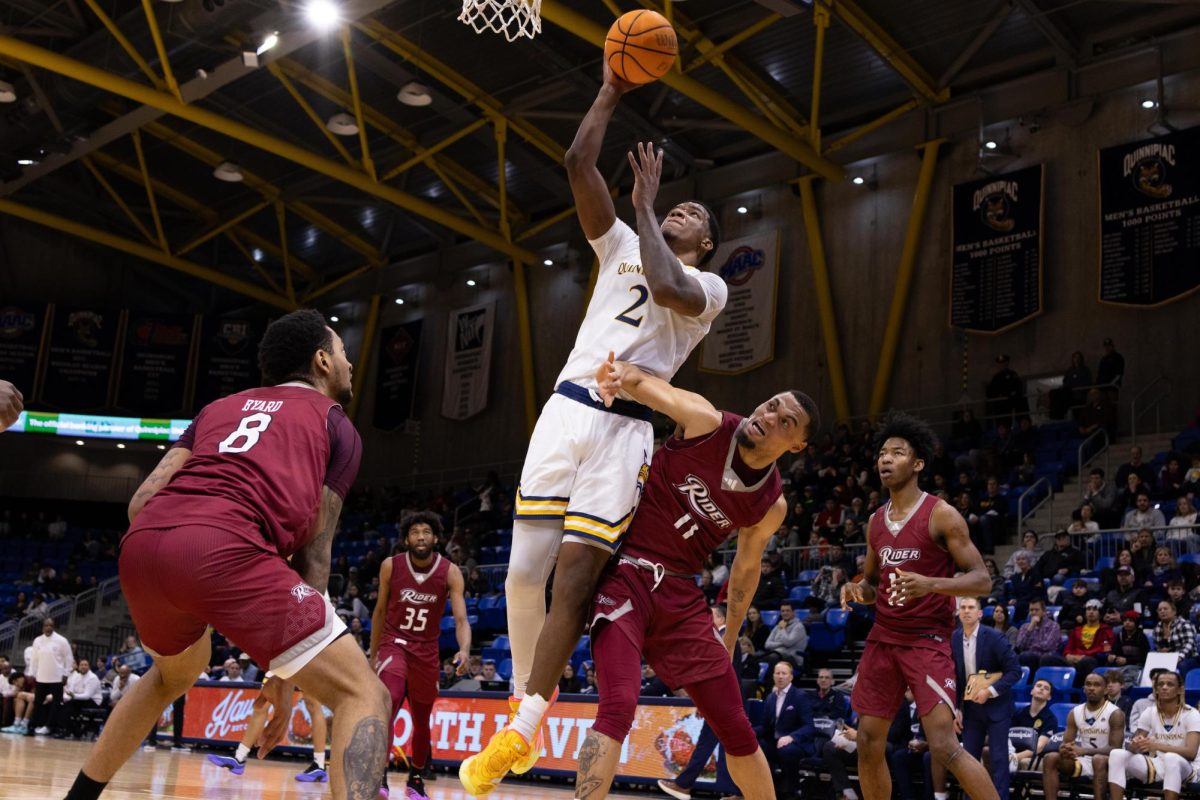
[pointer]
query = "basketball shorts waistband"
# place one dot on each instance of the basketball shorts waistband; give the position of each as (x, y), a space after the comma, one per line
(624, 408)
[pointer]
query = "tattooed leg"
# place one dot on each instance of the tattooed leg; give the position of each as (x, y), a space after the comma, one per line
(365, 758)
(597, 764)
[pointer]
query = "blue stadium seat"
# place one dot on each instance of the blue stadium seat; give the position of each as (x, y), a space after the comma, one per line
(799, 594)
(769, 618)
(1061, 711)
(762, 671)
(807, 576)
(1061, 679)
(1191, 687)
(1189, 558)
(1108, 562)
(504, 669)
(496, 617)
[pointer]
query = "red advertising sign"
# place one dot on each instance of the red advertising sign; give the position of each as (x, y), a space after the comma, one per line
(659, 744)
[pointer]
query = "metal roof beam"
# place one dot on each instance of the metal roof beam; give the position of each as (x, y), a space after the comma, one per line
(1057, 36)
(877, 37)
(995, 20)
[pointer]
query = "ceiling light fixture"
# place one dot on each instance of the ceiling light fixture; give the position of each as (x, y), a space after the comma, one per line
(269, 41)
(858, 180)
(7, 93)
(334, 319)
(342, 124)
(470, 281)
(399, 301)
(1149, 104)
(162, 447)
(26, 162)
(990, 144)
(229, 172)
(258, 254)
(120, 446)
(322, 14)
(415, 94)
(743, 210)
(79, 442)
(549, 262)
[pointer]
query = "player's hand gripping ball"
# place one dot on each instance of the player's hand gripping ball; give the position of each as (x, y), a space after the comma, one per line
(641, 47)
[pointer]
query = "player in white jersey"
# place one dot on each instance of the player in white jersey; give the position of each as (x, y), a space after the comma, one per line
(1095, 728)
(1164, 747)
(586, 462)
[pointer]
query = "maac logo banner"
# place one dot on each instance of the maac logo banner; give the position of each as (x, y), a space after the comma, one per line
(743, 336)
(468, 361)
(996, 279)
(1150, 220)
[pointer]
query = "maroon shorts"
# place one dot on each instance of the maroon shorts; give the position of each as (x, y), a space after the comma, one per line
(411, 672)
(659, 620)
(886, 669)
(180, 580)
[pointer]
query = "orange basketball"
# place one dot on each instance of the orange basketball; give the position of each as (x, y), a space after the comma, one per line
(641, 46)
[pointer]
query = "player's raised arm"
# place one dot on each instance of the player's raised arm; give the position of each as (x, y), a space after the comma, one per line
(669, 285)
(694, 415)
(593, 203)
(379, 615)
(462, 628)
(313, 560)
(11, 404)
(948, 528)
(744, 574)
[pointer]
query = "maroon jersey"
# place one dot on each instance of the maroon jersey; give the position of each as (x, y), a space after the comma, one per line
(912, 549)
(694, 499)
(415, 601)
(259, 460)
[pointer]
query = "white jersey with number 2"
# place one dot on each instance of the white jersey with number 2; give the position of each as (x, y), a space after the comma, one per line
(623, 317)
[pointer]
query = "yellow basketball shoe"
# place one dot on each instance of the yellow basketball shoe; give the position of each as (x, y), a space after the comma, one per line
(523, 765)
(480, 773)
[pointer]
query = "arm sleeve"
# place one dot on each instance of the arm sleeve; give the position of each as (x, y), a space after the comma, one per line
(716, 294)
(612, 239)
(345, 452)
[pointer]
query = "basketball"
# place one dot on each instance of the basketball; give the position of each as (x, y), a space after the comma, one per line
(641, 46)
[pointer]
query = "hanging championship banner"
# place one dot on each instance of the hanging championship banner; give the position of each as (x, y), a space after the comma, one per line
(21, 328)
(468, 361)
(742, 337)
(79, 364)
(228, 358)
(396, 379)
(154, 364)
(996, 278)
(1150, 220)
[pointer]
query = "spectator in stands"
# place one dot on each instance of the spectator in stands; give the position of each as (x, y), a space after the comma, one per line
(37, 607)
(1128, 593)
(1191, 478)
(82, 689)
(1114, 688)
(1088, 646)
(50, 663)
(589, 680)
(839, 753)
(1029, 547)
(1097, 413)
(1143, 515)
(828, 521)
(1065, 559)
(1111, 369)
(771, 589)
(785, 734)
(826, 702)
(1024, 473)
(131, 653)
(1033, 725)
(1076, 381)
(1101, 494)
(1005, 392)
(720, 572)
(993, 515)
(8, 691)
(1074, 606)
(248, 667)
(351, 604)
(965, 506)
(1000, 623)
(1038, 638)
(746, 664)
(1083, 525)
(1183, 525)
(20, 606)
(827, 588)
(358, 632)
(840, 559)
(996, 595)
(124, 681)
(965, 432)
(1171, 477)
(1142, 552)
(233, 671)
(1177, 594)
(756, 630)
(906, 739)
(22, 704)
(1164, 571)
(477, 583)
(1024, 586)
(1130, 647)
(1174, 634)
(1134, 466)
(788, 639)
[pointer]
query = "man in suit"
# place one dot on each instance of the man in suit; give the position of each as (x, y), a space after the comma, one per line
(988, 712)
(786, 733)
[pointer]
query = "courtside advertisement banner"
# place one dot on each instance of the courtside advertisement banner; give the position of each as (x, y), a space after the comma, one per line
(658, 746)
(743, 335)
(468, 361)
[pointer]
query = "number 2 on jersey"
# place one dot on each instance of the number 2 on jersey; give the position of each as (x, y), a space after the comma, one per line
(643, 296)
(415, 620)
(246, 434)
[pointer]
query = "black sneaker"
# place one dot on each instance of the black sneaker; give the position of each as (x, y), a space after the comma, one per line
(416, 787)
(314, 774)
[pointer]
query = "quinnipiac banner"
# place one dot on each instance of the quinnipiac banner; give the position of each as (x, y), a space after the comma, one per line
(154, 363)
(21, 328)
(1150, 220)
(996, 277)
(659, 745)
(79, 362)
(396, 379)
(468, 361)
(228, 357)
(743, 335)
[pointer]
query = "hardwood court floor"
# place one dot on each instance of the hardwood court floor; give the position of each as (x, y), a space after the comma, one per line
(43, 769)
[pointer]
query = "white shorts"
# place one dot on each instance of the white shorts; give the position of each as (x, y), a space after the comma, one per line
(586, 466)
(1083, 767)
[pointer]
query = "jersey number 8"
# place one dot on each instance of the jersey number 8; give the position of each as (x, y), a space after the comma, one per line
(246, 434)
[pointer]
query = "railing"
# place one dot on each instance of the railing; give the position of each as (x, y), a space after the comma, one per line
(17, 634)
(1106, 543)
(68, 486)
(458, 508)
(1154, 404)
(1084, 459)
(508, 471)
(1049, 498)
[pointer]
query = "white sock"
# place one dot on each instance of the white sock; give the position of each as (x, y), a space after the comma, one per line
(242, 752)
(319, 758)
(535, 546)
(850, 794)
(529, 715)
(941, 796)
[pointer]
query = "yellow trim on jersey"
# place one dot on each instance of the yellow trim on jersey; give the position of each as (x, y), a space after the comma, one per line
(609, 533)
(541, 505)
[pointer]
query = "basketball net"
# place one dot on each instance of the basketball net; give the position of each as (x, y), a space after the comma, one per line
(513, 18)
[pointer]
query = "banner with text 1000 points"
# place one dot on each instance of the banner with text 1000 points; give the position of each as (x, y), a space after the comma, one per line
(659, 745)
(1150, 220)
(21, 334)
(396, 374)
(79, 359)
(743, 335)
(996, 272)
(468, 361)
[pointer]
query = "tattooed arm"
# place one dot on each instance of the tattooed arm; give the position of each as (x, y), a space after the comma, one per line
(743, 576)
(597, 763)
(160, 477)
(313, 560)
